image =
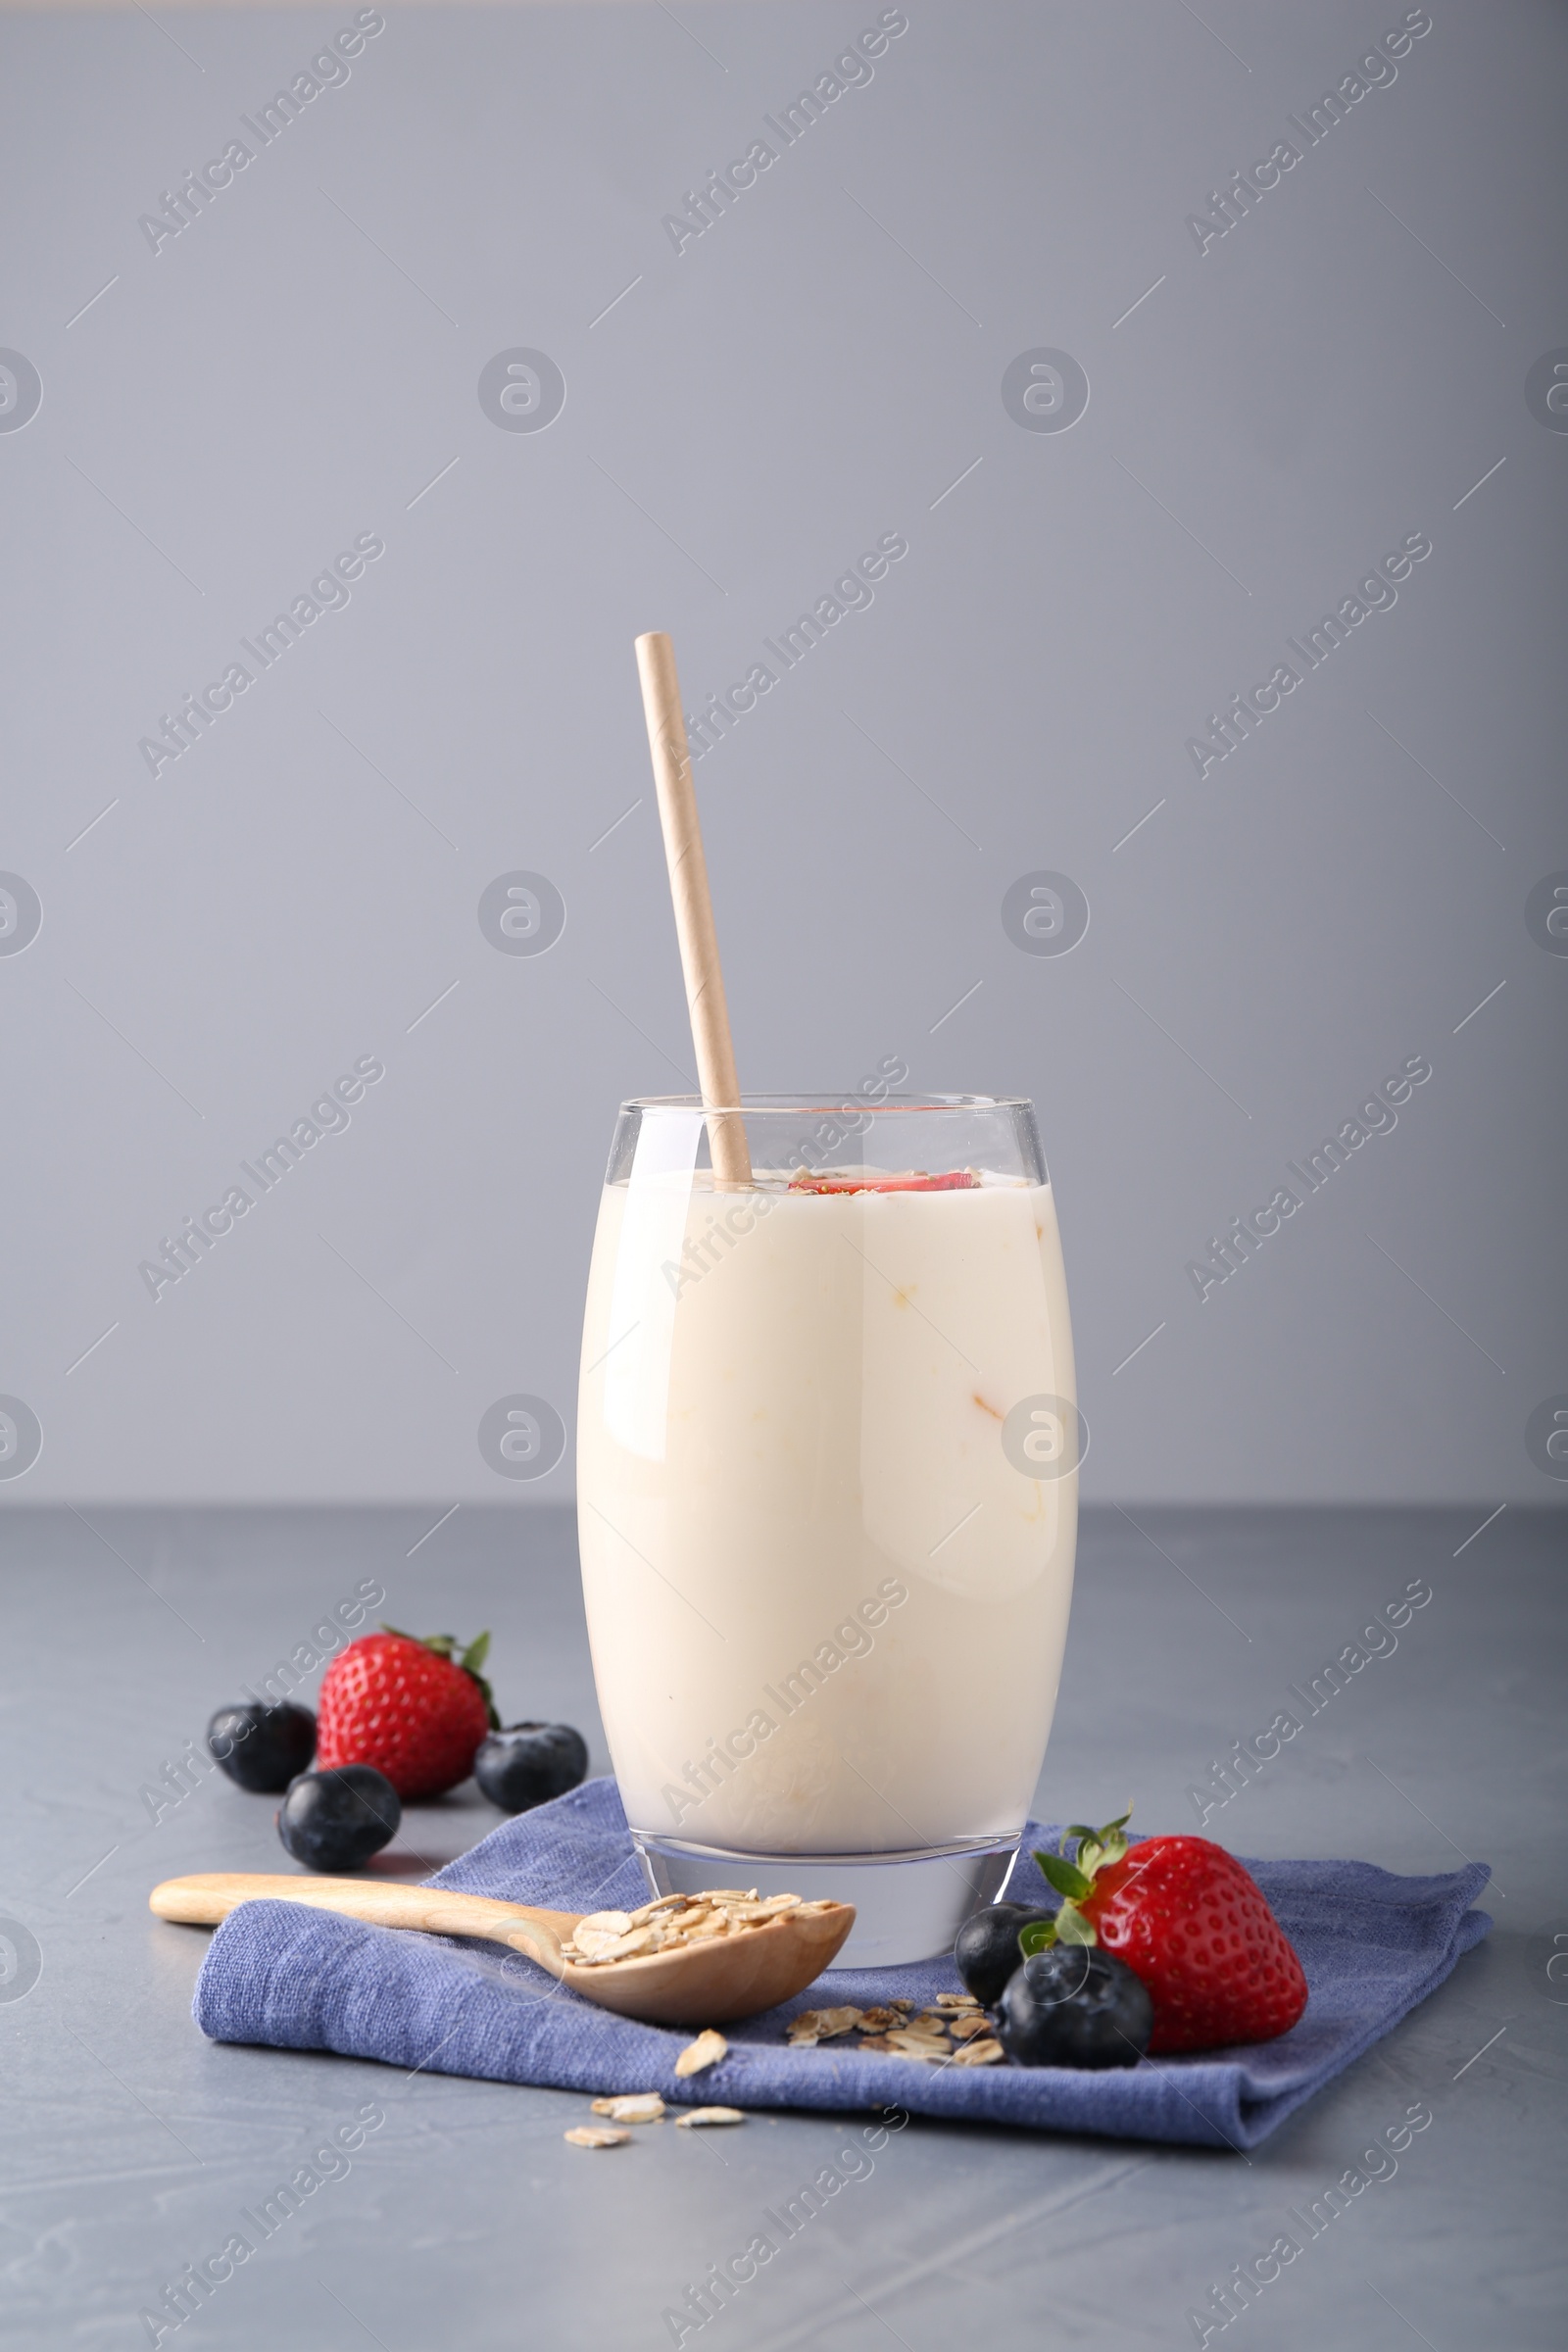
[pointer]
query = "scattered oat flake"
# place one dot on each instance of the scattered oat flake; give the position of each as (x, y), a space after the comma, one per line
(595, 2136)
(918, 2045)
(706, 2050)
(829, 2023)
(606, 1923)
(696, 2116)
(632, 2107)
(957, 2000)
(965, 2028)
(979, 2054)
(904, 2005)
(875, 2021)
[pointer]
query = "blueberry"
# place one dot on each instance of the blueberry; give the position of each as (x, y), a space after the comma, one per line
(987, 1950)
(529, 1763)
(263, 1747)
(333, 1821)
(1075, 2005)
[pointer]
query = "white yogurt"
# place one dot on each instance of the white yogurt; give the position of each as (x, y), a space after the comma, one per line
(827, 1613)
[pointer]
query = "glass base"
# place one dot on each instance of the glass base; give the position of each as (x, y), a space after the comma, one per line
(909, 1906)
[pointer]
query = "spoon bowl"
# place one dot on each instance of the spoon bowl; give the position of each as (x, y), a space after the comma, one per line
(708, 1982)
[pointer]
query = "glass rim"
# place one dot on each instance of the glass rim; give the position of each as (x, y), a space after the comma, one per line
(797, 1105)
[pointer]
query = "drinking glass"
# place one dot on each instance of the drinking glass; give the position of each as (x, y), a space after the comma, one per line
(828, 1444)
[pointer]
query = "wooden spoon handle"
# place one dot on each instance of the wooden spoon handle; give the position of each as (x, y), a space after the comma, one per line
(208, 1897)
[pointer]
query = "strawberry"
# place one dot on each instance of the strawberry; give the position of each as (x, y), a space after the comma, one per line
(408, 1707)
(1191, 1922)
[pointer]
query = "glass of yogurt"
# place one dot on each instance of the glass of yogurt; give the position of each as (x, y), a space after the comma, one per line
(827, 1460)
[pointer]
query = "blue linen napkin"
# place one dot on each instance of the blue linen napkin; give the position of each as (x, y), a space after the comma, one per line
(1372, 1946)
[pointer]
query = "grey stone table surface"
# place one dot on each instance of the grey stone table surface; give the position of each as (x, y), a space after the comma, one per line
(131, 2144)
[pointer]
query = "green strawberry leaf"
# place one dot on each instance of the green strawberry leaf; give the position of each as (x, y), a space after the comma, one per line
(1073, 1928)
(1066, 1877)
(1096, 1849)
(472, 1658)
(1068, 1926)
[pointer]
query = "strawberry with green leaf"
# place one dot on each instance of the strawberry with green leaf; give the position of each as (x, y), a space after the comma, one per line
(1189, 1920)
(413, 1708)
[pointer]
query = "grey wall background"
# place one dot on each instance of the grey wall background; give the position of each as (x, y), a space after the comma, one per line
(1346, 366)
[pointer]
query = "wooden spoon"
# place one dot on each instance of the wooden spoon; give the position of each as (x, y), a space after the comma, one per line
(708, 1982)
